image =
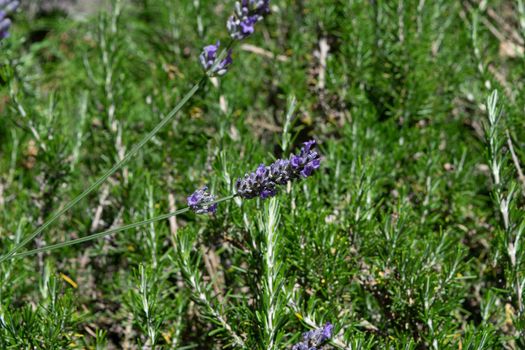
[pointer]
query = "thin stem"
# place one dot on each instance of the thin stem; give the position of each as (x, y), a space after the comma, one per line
(271, 271)
(287, 137)
(109, 232)
(203, 298)
(110, 172)
(199, 290)
(516, 161)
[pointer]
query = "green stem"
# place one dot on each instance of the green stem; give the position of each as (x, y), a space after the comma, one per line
(108, 232)
(110, 172)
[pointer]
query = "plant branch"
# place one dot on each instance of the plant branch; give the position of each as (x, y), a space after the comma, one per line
(109, 232)
(106, 175)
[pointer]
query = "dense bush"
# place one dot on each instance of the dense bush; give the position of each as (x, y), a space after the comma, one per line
(409, 234)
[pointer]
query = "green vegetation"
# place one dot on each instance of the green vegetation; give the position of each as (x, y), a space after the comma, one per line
(409, 236)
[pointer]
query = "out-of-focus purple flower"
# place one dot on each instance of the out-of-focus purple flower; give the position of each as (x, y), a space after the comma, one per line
(265, 180)
(209, 56)
(224, 64)
(327, 331)
(302, 346)
(6, 7)
(200, 201)
(4, 28)
(314, 339)
(247, 13)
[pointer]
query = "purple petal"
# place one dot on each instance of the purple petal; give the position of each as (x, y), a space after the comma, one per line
(212, 208)
(222, 67)
(5, 24)
(247, 28)
(296, 162)
(307, 171)
(315, 163)
(268, 193)
(308, 146)
(261, 170)
(327, 331)
(193, 199)
(211, 50)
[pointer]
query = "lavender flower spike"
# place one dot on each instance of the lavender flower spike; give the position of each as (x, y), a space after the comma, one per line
(199, 201)
(209, 56)
(264, 182)
(247, 13)
(312, 340)
(6, 7)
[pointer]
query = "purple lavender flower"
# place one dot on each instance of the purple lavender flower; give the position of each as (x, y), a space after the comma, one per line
(223, 65)
(247, 13)
(199, 201)
(209, 56)
(4, 28)
(265, 180)
(314, 339)
(6, 7)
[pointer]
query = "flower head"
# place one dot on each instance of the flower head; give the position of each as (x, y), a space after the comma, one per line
(6, 7)
(314, 339)
(247, 12)
(265, 180)
(199, 201)
(209, 56)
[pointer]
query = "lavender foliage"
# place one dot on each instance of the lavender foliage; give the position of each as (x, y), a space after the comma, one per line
(247, 13)
(6, 7)
(312, 340)
(209, 56)
(200, 201)
(265, 181)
